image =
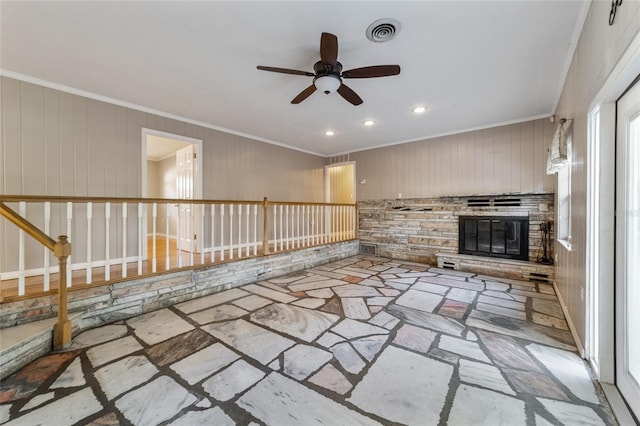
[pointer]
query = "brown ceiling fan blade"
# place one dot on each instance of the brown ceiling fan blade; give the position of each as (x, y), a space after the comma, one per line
(285, 71)
(329, 48)
(304, 94)
(351, 96)
(373, 71)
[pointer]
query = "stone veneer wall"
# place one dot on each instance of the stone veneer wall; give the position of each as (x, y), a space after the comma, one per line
(418, 228)
(103, 304)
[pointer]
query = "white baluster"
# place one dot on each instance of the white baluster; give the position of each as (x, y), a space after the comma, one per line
(255, 229)
(213, 233)
(239, 230)
(201, 207)
(230, 231)
(141, 236)
(287, 226)
(179, 236)
(107, 240)
(246, 250)
(124, 240)
(167, 260)
(22, 210)
(275, 228)
(321, 224)
(89, 219)
(192, 235)
(313, 225)
(154, 215)
(69, 224)
(47, 222)
(281, 240)
(297, 240)
(221, 231)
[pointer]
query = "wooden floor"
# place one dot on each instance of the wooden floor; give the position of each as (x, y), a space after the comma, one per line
(35, 284)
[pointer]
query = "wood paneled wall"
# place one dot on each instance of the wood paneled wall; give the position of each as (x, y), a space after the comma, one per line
(599, 49)
(498, 160)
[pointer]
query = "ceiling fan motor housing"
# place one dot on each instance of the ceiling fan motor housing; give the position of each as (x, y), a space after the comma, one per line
(323, 69)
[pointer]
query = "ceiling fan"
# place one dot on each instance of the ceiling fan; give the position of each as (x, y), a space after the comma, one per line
(328, 73)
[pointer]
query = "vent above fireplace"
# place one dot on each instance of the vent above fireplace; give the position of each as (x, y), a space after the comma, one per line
(494, 202)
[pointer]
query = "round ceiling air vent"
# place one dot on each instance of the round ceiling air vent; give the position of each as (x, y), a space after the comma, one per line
(383, 30)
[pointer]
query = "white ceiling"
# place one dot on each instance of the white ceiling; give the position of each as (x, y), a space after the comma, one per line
(159, 148)
(474, 64)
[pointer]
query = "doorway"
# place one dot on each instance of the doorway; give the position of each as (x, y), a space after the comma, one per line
(627, 245)
(340, 183)
(171, 169)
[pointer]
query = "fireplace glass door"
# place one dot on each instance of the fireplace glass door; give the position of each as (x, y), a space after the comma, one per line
(505, 237)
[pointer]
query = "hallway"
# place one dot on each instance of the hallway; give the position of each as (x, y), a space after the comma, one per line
(364, 340)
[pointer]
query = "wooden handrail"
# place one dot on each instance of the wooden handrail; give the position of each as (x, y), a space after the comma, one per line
(81, 199)
(27, 226)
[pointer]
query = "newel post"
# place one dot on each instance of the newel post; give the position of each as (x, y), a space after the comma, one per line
(62, 329)
(265, 237)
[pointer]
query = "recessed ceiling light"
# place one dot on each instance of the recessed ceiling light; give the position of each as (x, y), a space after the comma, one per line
(419, 109)
(329, 133)
(369, 122)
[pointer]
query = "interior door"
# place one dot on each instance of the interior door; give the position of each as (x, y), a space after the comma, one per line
(628, 248)
(184, 190)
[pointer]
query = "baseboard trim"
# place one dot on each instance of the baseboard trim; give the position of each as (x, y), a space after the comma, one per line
(572, 327)
(618, 406)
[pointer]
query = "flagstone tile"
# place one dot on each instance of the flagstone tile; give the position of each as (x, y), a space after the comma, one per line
(426, 319)
(323, 293)
(506, 352)
(492, 285)
(211, 300)
(146, 326)
(213, 416)
(271, 294)
(533, 294)
(549, 321)
(371, 282)
(58, 412)
(5, 410)
(535, 383)
(33, 403)
(297, 405)
(453, 272)
(369, 346)
(305, 324)
(499, 310)
(317, 285)
(169, 398)
(453, 308)
(397, 271)
(572, 414)
(521, 329)
(396, 285)
(352, 329)
(302, 360)
(71, 377)
(474, 406)
(329, 339)
(504, 303)
(251, 303)
(453, 283)
(505, 296)
(309, 302)
(355, 290)
(462, 295)
(390, 387)
(258, 343)
(422, 301)
(541, 421)
(273, 286)
(379, 301)
(98, 335)
(477, 373)
(443, 356)
(430, 288)
(179, 347)
(389, 292)
(568, 368)
(218, 313)
(333, 306)
(385, 320)
(548, 307)
(204, 363)
(462, 347)
(120, 376)
(99, 355)
(233, 380)
(330, 378)
(348, 357)
(415, 338)
(355, 308)
(394, 279)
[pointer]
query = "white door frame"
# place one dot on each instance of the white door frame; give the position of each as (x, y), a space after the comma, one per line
(197, 193)
(600, 326)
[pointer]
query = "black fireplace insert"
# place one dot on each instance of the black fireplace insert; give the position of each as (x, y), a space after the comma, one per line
(496, 236)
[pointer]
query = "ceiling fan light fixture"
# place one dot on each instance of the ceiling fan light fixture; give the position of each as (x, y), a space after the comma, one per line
(327, 83)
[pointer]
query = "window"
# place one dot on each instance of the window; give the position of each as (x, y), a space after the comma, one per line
(564, 197)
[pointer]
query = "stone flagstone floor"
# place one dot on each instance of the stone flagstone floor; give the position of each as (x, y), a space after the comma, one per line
(361, 341)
